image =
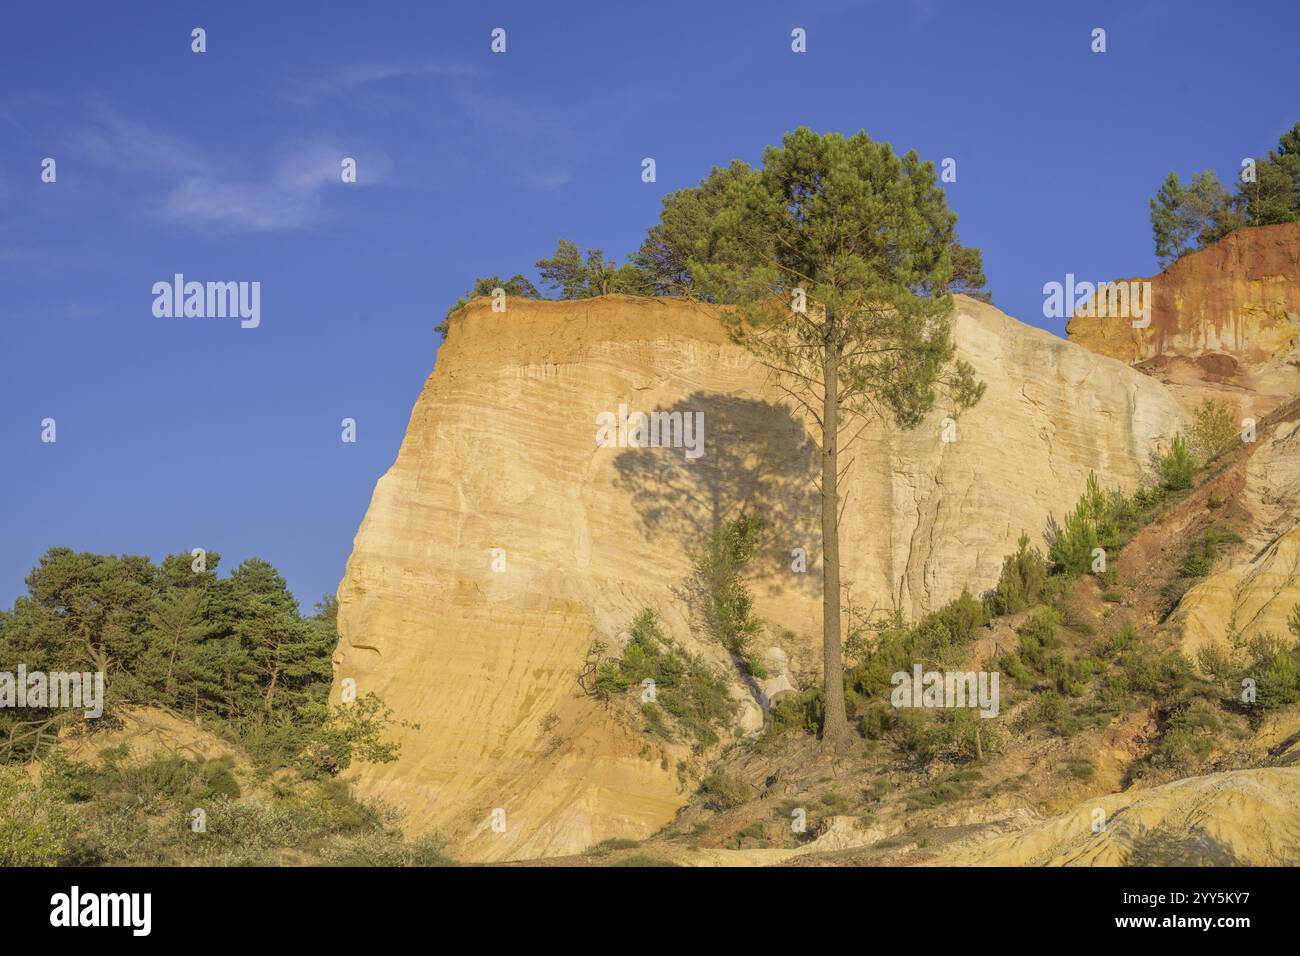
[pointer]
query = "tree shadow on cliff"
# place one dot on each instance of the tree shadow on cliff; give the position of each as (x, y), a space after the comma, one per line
(756, 459)
(1192, 847)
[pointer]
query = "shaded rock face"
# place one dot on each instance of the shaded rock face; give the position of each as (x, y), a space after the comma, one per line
(504, 539)
(1223, 319)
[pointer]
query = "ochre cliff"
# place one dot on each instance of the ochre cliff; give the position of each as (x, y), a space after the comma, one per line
(481, 648)
(1225, 320)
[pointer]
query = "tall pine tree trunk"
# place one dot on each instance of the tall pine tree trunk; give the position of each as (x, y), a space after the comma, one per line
(835, 729)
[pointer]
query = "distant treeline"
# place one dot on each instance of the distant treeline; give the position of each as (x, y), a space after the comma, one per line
(234, 654)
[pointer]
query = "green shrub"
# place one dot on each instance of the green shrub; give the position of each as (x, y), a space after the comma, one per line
(1038, 634)
(1123, 639)
(804, 711)
(1214, 430)
(1188, 739)
(1143, 672)
(1072, 544)
(875, 720)
(1275, 668)
(947, 789)
(1080, 768)
(917, 736)
(36, 829)
(754, 831)
(725, 791)
(1072, 677)
(720, 595)
(615, 843)
(347, 732)
(687, 688)
(1050, 710)
(1020, 584)
(1178, 466)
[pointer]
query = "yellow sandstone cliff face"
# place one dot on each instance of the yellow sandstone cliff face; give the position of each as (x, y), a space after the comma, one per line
(481, 647)
(1237, 818)
(1256, 596)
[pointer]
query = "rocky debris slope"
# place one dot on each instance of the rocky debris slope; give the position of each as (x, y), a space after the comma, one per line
(504, 539)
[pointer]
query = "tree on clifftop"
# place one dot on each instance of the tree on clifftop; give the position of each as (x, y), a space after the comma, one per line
(827, 254)
(516, 286)
(683, 225)
(576, 278)
(1193, 217)
(1185, 219)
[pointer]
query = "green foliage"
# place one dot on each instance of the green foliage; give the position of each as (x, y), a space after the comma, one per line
(725, 606)
(574, 277)
(1052, 711)
(1124, 639)
(803, 711)
(1080, 768)
(1274, 197)
(233, 653)
(1177, 466)
(1100, 520)
(1021, 582)
(517, 286)
(941, 635)
(1200, 557)
(1188, 740)
(683, 230)
(1038, 635)
(139, 812)
(1205, 212)
(852, 225)
(614, 843)
(687, 688)
(1198, 214)
(350, 731)
(1275, 668)
(1072, 544)
(725, 791)
(1214, 430)
(1144, 672)
(36, 828)
(968, 272)
(949, 788)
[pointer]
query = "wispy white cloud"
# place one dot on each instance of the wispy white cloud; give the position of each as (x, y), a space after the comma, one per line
(457, 101)
(208, 196)
(350, 78)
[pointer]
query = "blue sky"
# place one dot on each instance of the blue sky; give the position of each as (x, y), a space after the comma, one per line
(180, 433)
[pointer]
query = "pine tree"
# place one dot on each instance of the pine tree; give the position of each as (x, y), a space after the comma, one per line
(823, 252)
